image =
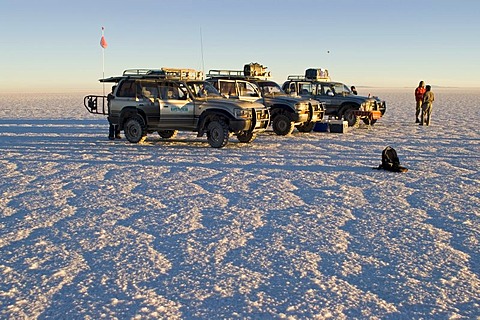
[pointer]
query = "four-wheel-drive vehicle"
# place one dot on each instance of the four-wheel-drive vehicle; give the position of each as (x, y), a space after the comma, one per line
(253, 84)
(168, 100)
(340, 102)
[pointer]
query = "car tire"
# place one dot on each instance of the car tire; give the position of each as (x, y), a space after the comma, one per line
(306, 127)
(167, 134)
(282, 125)
(369, 122)
(217, 134)
(246, 136)
(134, 129)
(350, 117)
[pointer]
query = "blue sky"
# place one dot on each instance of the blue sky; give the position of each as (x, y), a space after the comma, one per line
(53, 46)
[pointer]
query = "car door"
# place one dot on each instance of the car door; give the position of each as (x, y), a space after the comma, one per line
(147, 95)
(125, 98)
(325, 94)
(176, 108)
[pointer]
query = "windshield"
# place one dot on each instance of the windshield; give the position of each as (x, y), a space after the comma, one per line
(202, 89)
(270, 88)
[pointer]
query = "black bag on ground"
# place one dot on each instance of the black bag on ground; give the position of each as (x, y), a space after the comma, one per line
(390, 161)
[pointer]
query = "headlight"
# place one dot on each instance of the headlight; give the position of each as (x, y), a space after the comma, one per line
(243, 113)
(301, 106)
(366, 106)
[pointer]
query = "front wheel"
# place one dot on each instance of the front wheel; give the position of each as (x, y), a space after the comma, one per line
(217, 134)
(167, 134)
(134, 129)
(306, 127)
(246, 136)
(367, 121)
(350, 117)
(282, 125)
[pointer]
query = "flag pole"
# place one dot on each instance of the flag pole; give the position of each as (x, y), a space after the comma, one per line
(103, 44)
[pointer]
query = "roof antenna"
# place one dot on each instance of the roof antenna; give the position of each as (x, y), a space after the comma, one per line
(201, 48)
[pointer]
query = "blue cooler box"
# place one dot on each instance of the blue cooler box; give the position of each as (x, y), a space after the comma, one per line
(321, 126)
(338, 126)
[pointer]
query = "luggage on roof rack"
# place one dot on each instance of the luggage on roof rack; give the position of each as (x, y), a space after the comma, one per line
(317, 74)
(255, 70)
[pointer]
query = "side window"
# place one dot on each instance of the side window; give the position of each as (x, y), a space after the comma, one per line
(127, 89)
(148, 89)
(304, 88)
(227, 88)
(196, 89)
(246, 89)
(327, 91)
(293, 88)
(170, 90)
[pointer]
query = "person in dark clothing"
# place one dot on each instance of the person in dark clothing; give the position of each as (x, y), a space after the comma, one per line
(113, 130)
(354, 90)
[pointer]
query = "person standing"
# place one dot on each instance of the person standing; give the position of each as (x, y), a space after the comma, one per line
(419, 92)
(428, 99)
(113, 130)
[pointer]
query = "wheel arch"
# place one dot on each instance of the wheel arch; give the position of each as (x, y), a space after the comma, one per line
(208, 115)
(347, 106)
(127, 112)
(279, 108)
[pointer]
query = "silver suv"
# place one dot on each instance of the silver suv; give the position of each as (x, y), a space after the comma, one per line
(169, 100)
(253, 84)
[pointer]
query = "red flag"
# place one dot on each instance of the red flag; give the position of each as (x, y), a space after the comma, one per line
(103, 42)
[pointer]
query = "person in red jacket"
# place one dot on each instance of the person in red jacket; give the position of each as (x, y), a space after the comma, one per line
(419, 92)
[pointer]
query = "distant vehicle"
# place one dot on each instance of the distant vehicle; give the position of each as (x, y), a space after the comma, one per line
(171, 100)
(253, 84)
(339, 100)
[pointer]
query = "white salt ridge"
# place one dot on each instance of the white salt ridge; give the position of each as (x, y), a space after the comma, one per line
(286, 227)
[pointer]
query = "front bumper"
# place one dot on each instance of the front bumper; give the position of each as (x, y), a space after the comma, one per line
(258, 123)
(314, 113)
(381, 106)
(371, 115)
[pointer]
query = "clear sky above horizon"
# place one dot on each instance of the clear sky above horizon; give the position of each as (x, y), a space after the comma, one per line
(54, 46)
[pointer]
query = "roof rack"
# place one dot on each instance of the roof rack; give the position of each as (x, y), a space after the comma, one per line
(163, 73)
(182, 74)
(143, 72)
(296, 77)
(225, 74)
